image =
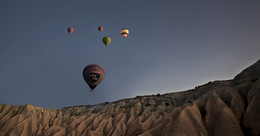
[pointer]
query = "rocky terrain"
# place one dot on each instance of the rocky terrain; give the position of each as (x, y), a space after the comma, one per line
(219, 108)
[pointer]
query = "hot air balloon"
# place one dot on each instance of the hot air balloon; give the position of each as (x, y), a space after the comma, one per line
(100, 28)
(124, 32)
(106, 40)
(70, 30)
(93, 74)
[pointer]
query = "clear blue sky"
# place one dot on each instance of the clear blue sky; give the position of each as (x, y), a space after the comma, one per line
(173, 46)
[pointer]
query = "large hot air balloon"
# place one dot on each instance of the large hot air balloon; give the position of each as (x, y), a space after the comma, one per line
(93, 74)
(70, 30)
(124, 32)
(106, 40)
(100, 28)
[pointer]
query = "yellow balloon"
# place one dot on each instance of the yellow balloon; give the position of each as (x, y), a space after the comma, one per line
(124, 32)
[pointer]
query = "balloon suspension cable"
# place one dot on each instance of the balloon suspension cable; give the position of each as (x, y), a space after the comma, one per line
(92, 90)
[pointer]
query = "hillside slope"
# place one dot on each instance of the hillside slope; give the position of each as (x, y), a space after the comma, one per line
(226, 108)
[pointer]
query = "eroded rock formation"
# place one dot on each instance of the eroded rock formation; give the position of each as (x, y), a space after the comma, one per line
(220, 108)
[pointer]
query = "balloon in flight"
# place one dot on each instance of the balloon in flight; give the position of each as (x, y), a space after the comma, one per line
(124, 32)
(106, 40)
(70, 30)
(100, 28)
(93, 74)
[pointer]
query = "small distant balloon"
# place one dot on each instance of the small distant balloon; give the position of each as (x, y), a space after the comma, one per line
(70, 30)
(106, 40)
(93, 74)
(124, 32)
(100, 28)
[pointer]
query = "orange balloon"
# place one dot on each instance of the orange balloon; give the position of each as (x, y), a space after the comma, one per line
(70, 30)
(100, 28)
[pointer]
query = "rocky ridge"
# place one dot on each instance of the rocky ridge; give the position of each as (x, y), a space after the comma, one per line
(230, 107)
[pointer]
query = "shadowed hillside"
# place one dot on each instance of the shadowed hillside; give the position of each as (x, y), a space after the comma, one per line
(219, 108)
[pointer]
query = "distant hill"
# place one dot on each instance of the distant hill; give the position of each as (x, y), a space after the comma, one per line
(219, 108)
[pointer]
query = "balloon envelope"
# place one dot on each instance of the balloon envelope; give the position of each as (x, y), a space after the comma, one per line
(100, 28)
(93, 74)
(70, 30)
(106, 40)
(124, 32)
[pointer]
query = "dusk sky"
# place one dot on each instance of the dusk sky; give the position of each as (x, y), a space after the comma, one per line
(173, 45)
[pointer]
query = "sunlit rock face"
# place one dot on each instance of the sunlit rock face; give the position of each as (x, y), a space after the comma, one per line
(220, 108)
